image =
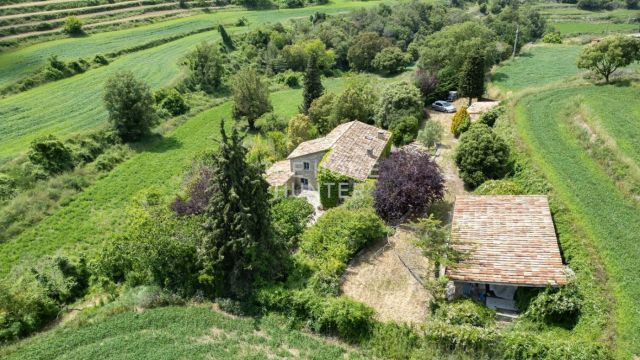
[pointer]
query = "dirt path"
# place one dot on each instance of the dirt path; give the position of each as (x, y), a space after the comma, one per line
(388, 277)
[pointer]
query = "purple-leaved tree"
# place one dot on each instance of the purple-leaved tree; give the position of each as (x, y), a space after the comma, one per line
(408, 182)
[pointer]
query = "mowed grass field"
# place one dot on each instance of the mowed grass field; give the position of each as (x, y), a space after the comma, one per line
(589, 27)
(99, 212)
(75, 104)
(190, 332)
(536, 66)
(611, 218)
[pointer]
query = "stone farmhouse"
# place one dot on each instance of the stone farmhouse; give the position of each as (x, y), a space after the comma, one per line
(352, 149)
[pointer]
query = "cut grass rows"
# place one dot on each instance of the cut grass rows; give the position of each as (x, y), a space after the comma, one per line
(98, 213)
(174, 332)
(612, 220)
(75, 104)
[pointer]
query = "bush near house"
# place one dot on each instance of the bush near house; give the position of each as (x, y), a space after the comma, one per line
(461, 122)
(481, 155)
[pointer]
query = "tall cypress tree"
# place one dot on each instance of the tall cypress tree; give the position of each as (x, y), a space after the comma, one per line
(472, 77)
(313, 88)
(226, 39)
(237, 246)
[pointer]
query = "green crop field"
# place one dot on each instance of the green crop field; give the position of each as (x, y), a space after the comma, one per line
(97, 214)
(193, 332)
(75, 104)
(610, 217)
(538, 65)
(588, 27)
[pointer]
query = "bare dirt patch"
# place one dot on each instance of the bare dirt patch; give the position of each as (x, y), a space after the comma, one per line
(388, 276)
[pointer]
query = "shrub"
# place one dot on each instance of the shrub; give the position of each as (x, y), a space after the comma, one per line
(51, 154)
(465, 312)
(362, 196)
(431, 134)
(7, 187)
(205, 68)
(461, 122)
(198, 194)
(333, 187)
(481, 155)
(500, 187)
(109, 159)
(289, 218)
(321, 111)
(398, 99)
(299, 130)
(100, 60)
(292, 4)
(172, 101)
(34, 292)
(552, 38)
(490, 117)
(271, 122)
(426, 82)
(130, 106)
(73, 26)
(327, 246)
(356, 102)
(404, 130)
(349, 319)
(407, 184)
(557, 305)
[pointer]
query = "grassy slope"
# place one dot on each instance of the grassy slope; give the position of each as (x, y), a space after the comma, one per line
(611, 220)
(75, 104)
(533, 68)
(589, 27)
(178, 332)
(97, 214)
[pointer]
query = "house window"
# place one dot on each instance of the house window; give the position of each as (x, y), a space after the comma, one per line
(306, 165)
(304, 182)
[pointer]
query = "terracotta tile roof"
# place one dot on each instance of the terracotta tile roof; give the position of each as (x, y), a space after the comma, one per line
(320, 144)
(506, 240)
(279, 173)
(357, 151)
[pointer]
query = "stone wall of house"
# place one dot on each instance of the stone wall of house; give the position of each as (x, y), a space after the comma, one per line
(311, 174)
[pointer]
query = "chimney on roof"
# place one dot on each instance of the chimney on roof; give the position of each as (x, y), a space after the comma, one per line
(381, 134)
(370, 151)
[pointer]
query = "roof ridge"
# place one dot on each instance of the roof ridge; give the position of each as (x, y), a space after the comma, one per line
(343, 133)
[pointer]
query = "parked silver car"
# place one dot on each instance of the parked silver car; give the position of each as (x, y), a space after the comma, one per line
(443, 106)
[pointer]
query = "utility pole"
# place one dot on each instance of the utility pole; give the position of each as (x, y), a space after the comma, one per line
(515, 43)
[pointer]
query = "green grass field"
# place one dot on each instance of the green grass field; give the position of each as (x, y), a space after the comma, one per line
(97, 214)
(75, 104)
(611, 218)
(579, 27)
(192, 332)
(538, 65)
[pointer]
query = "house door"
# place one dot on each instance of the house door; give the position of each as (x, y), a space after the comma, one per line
(305, 183)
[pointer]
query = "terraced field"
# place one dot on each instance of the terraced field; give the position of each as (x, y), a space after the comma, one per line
(571, 21)
(172, 332)
(74, 104)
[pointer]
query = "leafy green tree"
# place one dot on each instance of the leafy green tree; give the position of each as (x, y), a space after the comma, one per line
(357, 102)
(313, 88)
(404, 130)
(471, 83)
(297, 55)
(431, 134)
(51, 154)
(172, 101)
(237, 247)
(321, 113)
(250, 96)
(444, 52)
(290, 217)
(401, 98)
(391, 60)
(364, 49)
(205, 68)
(226, 39)
(299, 130)
(481, 155)
(73, 26)
(610, 54)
